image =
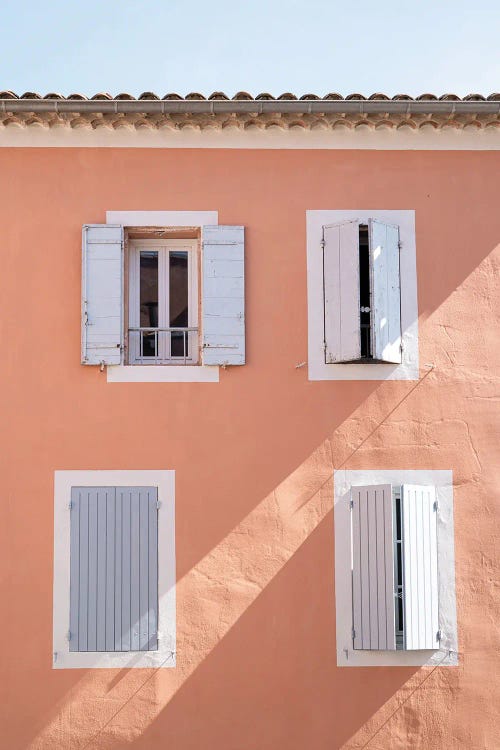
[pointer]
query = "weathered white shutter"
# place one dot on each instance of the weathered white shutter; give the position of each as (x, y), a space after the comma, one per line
(385, 291)
(102, 294)
(420, 573)
(373, 567)
(223, 297)
(341, 292)
(114, 569)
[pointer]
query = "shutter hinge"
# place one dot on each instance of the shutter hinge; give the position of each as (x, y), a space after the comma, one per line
(436, 505)
(351, 503)
(401, 346)
(158, 504)
(400, 244)
(353, 633)
(70, 504)
(68, 636)
(323, 243)
(439, 635)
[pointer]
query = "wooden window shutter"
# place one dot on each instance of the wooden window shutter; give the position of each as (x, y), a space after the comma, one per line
(102, 294)
(373, 567)
(223, 296)
(114, 569)
(341, 292)
(420, 571)
(385, 291)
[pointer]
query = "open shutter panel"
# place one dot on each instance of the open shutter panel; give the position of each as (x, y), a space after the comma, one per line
(385, 292)
(114, 569)
(102, 294)
(420, 579)
(373, 568)
(223, 300)
(341, 292)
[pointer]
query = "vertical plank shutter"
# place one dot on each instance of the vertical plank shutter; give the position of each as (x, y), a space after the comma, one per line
(385, 291)
(223, 297)
(341, 292)
(102, 294)
(420, 572)
(373, 567)
(114, 569)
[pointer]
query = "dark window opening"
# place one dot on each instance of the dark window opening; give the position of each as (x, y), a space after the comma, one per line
(398, 573)
(179, 302)
(149, 301)
(364, 293)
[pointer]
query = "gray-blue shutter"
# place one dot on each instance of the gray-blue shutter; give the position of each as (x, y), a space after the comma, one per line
(223, 297)
(102, 294)
(114, 569)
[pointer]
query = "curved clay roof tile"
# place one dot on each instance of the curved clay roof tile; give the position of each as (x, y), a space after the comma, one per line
(172, 96)
(125, 97)
(306, 97)
(265, 97)
(8, 95)
(77, 97)
(356, 97)
(195, 96)
(377, 97)
(333, 97)
(449, 98)
(426, 98)
(53, 95)
(402, 97)
(287, 96)
(243, 96)
(474, 98)
(218, 95)
(103, 95)
(148, 95)
(493, 98)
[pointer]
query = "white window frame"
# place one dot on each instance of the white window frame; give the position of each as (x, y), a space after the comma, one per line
(317, 367)
(347, 656)
(163, 373)
(62, 657)
(164, 247)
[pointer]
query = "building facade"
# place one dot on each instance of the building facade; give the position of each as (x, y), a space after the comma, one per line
(250, 422)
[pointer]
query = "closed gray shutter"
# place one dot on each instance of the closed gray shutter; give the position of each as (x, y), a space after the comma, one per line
(385, 292)
(102, 294)
(114, 569)
(373, 568)
(420, 589)
(223, 297)
(341, 292)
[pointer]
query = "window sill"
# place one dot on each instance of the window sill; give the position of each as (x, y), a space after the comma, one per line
(162, 374)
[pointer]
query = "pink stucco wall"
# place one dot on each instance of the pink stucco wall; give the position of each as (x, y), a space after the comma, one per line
(253, 455)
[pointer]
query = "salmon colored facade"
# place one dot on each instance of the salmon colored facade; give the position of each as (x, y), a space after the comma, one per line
(254, 454)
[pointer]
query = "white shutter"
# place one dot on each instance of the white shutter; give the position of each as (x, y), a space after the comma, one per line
(102, 294)
(385, 291)
(341, 292)
(223, 297)
(420, 574)
(373, 567)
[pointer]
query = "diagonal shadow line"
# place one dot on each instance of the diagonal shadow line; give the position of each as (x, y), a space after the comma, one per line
(370, 434)
(417, 687)
(157, 669)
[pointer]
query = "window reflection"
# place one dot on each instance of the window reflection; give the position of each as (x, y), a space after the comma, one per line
(179, 301)
(149, 300)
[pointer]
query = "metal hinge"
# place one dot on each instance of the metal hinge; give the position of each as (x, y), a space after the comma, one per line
(70, 504)
(323, 243)
(158, 504)
(351, 503)
(401, 346)
(68, 636)
(400, 244)
(439, 635)
(353, 633)
(436, 505)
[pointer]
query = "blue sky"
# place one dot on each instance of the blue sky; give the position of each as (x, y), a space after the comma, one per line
(316, 46)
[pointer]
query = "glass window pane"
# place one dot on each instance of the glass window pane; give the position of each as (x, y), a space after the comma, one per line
(149, 300)
(179, 301)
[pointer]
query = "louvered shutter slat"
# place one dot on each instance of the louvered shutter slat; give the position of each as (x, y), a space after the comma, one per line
(341, 292)
(385, 291)
(420, 596)
(373, 568)
(223, 297)
(102, 294)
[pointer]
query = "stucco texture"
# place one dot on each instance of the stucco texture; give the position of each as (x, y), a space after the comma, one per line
(254, 456)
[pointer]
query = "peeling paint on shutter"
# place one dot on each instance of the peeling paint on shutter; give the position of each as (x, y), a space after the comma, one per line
(420, 587)
(385, 291)
(102, 294)
(373, 567)
(114, 569)
(341, 292)
(223, 299)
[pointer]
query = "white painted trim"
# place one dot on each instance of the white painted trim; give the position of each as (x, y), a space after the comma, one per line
(165, 656)
(363, 137)
(162, 218)
(317, 368)
(346, 655)
(163, 374)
